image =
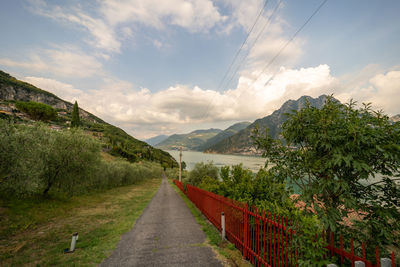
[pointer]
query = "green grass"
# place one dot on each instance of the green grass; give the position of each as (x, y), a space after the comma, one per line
(35, 232)
(225, 249)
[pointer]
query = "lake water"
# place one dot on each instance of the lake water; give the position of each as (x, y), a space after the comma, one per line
(220, 160)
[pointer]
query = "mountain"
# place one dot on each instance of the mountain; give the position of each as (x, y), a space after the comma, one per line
(242, 143)
(156, 139)
(231, 130)
(395, 118)
(115, 141)
(190, 141)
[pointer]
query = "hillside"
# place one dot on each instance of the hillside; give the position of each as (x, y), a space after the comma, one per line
(231, 130)
(115, 141)
(190, 141)
(156, 139)
(241, 142)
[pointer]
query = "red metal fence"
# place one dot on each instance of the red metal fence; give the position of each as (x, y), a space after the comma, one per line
(263, 238)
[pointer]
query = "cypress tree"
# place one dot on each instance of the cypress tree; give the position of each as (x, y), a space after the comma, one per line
(75, 121)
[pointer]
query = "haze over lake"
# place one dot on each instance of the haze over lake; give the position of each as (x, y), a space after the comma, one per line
(192, 157)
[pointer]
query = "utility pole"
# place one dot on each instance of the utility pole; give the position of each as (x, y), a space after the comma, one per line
(180, 164)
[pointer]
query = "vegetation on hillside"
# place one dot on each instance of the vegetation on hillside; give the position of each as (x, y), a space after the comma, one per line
(37, 111)
(114, 140)
(35, 160)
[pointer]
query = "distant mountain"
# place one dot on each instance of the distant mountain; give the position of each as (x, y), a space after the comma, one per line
(395, 118)
(116, 141)
(241, 142)
(156, 139)
(231, 130)
(190, 141)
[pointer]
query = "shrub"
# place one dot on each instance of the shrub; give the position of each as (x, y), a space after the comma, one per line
(37, 111)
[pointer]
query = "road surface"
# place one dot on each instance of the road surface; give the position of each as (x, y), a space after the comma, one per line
(166, 234)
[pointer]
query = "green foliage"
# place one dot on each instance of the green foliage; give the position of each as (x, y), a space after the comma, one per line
(264, 191)
(75, 121)
(336, 155)
(37, 160)
(200, 171)
(37, 111)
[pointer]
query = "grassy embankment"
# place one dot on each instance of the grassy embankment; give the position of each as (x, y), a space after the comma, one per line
(225, 249)
(34, 232)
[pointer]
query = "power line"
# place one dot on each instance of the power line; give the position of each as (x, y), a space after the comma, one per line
(241, 47)
(289, 41)
(255, 41)
(236, 55)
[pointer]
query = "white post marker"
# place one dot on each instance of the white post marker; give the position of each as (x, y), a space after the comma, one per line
(359, 264)
(73, 242)
(223, 226)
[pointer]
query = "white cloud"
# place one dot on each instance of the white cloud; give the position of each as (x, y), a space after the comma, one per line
(112, 17)
(178, 106)
(372, 85)
(144, 114)
(103, 36)
(194, 15)
(62, 61)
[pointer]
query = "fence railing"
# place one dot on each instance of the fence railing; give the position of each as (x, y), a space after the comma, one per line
(265, 239)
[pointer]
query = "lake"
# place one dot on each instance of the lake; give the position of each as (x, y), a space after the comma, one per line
(192, 157)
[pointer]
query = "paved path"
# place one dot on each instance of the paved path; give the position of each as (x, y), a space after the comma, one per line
(166, 234)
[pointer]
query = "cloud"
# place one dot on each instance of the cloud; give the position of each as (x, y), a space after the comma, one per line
(143, 113)
(111, 22)
(62, 61)
(103, 36)
(373, 85)
(193, 15)
(178, 106)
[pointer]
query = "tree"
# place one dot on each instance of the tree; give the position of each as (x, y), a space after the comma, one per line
(344, 160)
(37, 111)
(75, 121)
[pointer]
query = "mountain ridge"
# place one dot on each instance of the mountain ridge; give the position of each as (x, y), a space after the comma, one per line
(241, 142)
(189, 141)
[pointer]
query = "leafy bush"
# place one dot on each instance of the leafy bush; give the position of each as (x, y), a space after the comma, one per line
(264, 191)
(200, 171)
(37, 111)
(35, 160)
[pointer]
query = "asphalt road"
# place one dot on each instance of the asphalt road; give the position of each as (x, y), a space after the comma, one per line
(166, 234)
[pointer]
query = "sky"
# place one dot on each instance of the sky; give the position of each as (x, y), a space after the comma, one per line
(170, 66)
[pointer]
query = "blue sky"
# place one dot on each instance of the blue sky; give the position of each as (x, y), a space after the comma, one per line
(155, 67)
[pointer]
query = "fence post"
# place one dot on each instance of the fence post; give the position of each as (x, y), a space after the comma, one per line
(359, 264)
(223, 226)
(386, 262)
(245, 232)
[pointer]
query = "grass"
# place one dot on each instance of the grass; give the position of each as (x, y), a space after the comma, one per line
(35, 232)
(231, 255)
